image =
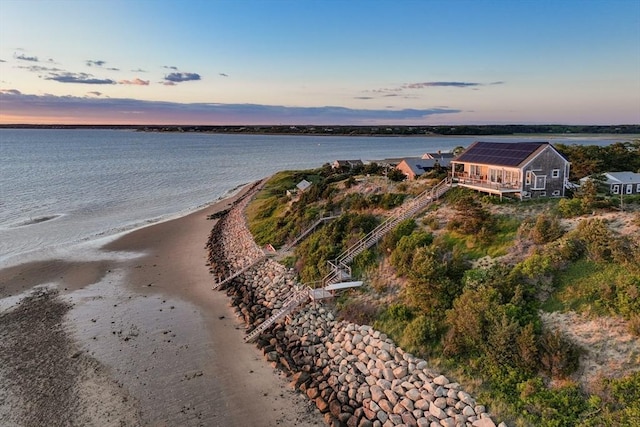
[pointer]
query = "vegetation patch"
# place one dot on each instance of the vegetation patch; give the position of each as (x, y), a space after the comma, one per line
(480, 321)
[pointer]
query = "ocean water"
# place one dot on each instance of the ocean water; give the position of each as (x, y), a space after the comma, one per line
(63, 191)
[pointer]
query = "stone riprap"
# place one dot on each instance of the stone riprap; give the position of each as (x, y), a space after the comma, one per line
(355, 375)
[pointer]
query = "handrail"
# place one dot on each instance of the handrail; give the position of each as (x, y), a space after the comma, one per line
(405, 211)
(239, 272)
(307, 231)
(297, 297)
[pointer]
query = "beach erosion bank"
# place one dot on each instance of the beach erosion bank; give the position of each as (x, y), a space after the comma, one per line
(353, 374)
(136, 337)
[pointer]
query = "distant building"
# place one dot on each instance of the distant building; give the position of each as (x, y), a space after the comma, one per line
(303, 185)
(443, 158)
(414, 167)
(347, 165)
(300, 188)
(619, 182)
(521, 169)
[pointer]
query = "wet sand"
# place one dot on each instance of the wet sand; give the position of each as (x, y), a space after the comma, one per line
(137, 339)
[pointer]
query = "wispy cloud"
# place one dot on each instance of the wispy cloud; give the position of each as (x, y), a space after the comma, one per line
(11, 91)
(114, 110)
(139, 70)
(223, 74)
(170, 67)
(83, 78)
(363, 97)
(94, 93)
(440, 84)
(24, 57)
(40, 69)
(135, 82)
(2, 60)
(95, 63)
(181, 77)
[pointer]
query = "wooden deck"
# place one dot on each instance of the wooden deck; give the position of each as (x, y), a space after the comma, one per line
(487, 186)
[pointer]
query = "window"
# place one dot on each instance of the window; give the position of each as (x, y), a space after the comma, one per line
(543, 194)
(615, 189)
(638, 189)
(555, 173)
(629, 189)
(539, 182)
(474, 170)
(556, 193)
(528, 178)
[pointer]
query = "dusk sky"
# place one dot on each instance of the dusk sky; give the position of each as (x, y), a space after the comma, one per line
(320, 62)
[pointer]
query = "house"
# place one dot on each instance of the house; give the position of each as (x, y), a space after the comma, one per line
(414, 167)
(300, 188)
(303, 185)
(347, 165)
(627, 183)
(443, 158)
(519, 169)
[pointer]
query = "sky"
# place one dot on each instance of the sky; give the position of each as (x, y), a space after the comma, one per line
(315, 62)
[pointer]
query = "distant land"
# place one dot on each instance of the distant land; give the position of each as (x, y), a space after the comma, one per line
(386, 130)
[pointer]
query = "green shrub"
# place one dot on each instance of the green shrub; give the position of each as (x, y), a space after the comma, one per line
(404, 228)
(597, 239)
(546, 229)
(569, 208)
(402, 255)
(557, 407)
(559, 357)
(420, 332)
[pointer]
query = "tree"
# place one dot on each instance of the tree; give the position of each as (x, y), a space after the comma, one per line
(546, 229)
(471, 217)
(396, 175)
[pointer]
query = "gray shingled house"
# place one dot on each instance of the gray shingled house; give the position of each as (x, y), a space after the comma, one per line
(619, 182)
(517, 169)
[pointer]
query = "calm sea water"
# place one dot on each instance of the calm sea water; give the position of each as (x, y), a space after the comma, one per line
(61, 190)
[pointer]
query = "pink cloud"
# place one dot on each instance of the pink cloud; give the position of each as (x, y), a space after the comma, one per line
(136, 82)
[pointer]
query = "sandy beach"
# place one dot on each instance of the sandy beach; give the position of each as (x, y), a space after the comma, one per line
(136, 338)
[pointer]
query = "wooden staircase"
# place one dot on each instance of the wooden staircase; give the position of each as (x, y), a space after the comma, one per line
(296, 298)
(307, 231)
(239, 272)
(339, 269)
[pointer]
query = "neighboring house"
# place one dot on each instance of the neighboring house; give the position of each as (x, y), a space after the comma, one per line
(520, 169)
(300, 188)
(414, 167)
(347, 164)
(627, 183)
(303, 185)
(443, 158)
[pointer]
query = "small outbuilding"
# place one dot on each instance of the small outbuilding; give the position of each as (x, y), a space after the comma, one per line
(303, 185)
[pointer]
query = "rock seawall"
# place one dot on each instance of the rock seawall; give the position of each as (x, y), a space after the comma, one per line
(355, 375)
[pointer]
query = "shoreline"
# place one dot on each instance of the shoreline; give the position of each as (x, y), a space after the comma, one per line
(168, 349)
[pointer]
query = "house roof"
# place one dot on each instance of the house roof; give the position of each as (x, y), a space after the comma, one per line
(499, 153)
(303, 185)
(439, 156)
(418, 165)
(623, 177)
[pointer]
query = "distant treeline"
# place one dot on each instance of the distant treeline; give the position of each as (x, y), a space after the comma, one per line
(363, 130)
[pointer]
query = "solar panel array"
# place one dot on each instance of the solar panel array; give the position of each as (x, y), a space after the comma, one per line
(499, 153)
